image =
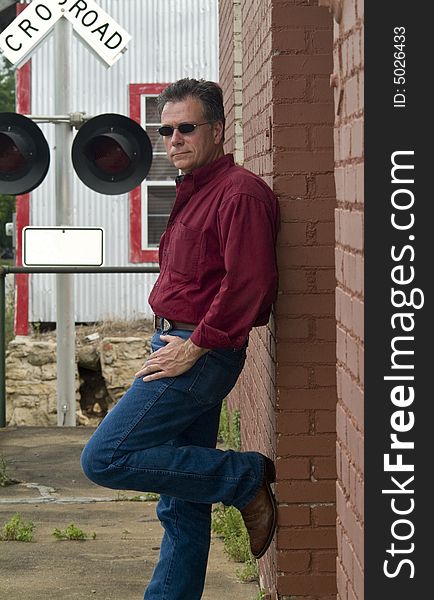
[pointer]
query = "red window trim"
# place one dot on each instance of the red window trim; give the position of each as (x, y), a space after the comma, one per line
(137, 254)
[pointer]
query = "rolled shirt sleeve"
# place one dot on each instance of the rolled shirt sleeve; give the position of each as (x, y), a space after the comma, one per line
(247, 227)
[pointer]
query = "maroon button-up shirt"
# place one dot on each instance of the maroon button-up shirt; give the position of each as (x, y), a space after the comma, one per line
(218, 255)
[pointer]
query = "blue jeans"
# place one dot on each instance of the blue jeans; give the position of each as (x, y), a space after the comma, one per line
(160, 437)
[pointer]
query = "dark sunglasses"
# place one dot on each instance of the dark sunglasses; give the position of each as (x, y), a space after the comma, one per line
(183, 128)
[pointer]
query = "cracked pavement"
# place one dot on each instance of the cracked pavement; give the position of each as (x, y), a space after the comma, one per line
(53, 492)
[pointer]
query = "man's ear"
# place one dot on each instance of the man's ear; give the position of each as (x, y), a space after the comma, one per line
(218, 129)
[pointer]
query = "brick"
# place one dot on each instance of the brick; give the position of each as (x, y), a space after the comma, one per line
(349, 183)
(326, 280)
(292, 376)
(324, 468)
(341, 581)
(324, 185)
(289, 39)
(292, 422)
(357, 139)
(340, 183)
(305, 305)
(306, 445)
(304, 256)
(293, 468)
(347, 558)
(301, 112)
(290, 137)
(352, 355)
(324, 375)
(298, 207)
(293, 329)
(322, 92)
(325, 329)
(290, 185)
(299, 16)
(358, 312)
(325, 233)
(324, 561)
(304, 537)
(358, 581)
(325, 421)
(341, 424)
(324, 397)
(322, 137)
(324, 515)
(312, 162)
(306, 584)
(293, 516)
(293, 562)
(322, 40)
(294, 234)
(318, 352)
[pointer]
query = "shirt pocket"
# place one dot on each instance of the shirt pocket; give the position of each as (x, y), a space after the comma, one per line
(185, 252)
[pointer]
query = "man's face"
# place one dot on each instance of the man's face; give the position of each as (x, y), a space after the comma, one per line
(189, 151)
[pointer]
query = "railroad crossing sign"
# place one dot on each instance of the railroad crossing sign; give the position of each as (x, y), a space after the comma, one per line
(104, 37)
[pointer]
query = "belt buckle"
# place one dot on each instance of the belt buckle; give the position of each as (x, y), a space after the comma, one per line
(164, 324)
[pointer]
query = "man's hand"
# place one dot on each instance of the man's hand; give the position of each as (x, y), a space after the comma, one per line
(175, 358)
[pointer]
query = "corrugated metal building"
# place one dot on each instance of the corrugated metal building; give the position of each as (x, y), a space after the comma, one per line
(170, 39)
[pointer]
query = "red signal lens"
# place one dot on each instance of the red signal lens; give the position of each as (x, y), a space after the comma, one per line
(107, 155)
(11, 159)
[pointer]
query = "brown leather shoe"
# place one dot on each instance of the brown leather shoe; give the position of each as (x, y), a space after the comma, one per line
(260, 515)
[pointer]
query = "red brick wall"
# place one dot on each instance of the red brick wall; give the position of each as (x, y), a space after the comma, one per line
(305, 325)
(226, 68)
(287, 392)
(348, 80)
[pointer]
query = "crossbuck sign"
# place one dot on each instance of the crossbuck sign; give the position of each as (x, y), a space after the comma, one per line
(102, 34)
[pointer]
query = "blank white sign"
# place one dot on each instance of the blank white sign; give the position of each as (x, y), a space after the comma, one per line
(63, 246)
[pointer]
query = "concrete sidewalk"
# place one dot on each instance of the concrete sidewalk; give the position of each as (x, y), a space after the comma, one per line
(52, 493)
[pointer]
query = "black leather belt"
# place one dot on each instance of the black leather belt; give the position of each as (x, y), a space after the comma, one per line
(167, 325)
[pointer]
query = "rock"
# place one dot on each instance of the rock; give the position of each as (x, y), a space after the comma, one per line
(120, 359)
(28, 416)
(88, 357)
(107, 368)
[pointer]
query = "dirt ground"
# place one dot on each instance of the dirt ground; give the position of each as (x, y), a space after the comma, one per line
(52, 493)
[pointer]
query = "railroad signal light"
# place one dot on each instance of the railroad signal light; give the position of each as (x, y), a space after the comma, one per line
(24, 154)
(111, 154)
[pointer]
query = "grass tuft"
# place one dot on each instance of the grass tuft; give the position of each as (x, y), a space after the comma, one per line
(17, 530)
(72, 532)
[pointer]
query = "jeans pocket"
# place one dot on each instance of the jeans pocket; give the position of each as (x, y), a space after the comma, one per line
(215, 378)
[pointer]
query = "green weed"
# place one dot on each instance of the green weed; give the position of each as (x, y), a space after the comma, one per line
(72, 532)
(228, 523)
(17, 530)
(229, 427)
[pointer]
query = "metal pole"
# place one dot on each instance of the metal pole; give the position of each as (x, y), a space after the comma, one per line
(2, 348)
(65, 329)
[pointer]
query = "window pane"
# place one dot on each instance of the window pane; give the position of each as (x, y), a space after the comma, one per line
(160, 202)
(162, 170)
(156, 226)
(156, 139)
(152, 115)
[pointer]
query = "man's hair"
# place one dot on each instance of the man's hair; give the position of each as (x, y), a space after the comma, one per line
(208, 92)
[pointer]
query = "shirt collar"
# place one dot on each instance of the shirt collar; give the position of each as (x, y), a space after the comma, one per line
(202, 175)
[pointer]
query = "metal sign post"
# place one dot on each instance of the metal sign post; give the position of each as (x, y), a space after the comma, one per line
(65, 329)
